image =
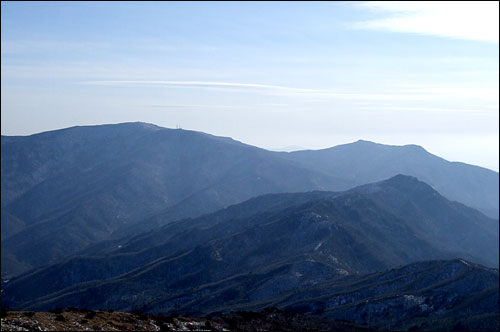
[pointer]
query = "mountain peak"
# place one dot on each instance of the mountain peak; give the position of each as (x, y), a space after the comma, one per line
(415, 147)
(406, 182)
(412, 147)
(364, 143)
(402, 178)
(400, 182)
(147, 125)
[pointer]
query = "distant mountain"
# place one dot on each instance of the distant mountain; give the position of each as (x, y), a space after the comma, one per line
(365, 162)
(255, 253)
(289, 148)
(66, 191)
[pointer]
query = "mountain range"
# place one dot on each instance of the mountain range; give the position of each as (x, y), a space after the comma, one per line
(80, 190)
(328, 253)
(447, 295)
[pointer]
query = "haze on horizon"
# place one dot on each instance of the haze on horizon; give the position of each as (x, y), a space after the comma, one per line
(270, 74)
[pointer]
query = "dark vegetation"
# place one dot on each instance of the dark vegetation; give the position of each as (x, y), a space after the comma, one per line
(90, 314)
(3, 312)
(29, 313)
(56, 310)
(60, 318)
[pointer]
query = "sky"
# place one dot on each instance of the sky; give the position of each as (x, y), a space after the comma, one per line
(278, 75)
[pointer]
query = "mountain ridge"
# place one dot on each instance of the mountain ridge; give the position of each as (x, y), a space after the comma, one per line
(287, 239)
(76, 187)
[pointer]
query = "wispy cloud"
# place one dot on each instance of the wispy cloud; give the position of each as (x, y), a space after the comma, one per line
(190, 106)
(473, 20)
(15, 47)
(427, 109)
(407, 93)
(201, 84)
(217, 106)
(267, 107)
(474, 93)
(311, 95)
(52, 46)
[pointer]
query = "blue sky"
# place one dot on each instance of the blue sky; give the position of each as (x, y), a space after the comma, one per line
(271, 74)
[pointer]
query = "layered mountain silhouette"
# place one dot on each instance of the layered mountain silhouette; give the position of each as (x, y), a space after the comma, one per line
(66, 191)
(288, 250)
(364, 162)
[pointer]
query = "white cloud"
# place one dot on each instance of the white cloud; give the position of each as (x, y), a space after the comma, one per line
(14, 47)
(218, 106)
(311, 95)
(427, 109)
(473, 20)
(50, 46)
(485, 94)
(200, 84)
(189, 106)
(321, 95)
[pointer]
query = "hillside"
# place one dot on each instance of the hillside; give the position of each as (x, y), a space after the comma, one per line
(67, 191)
(425, 296)
(265, 248)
